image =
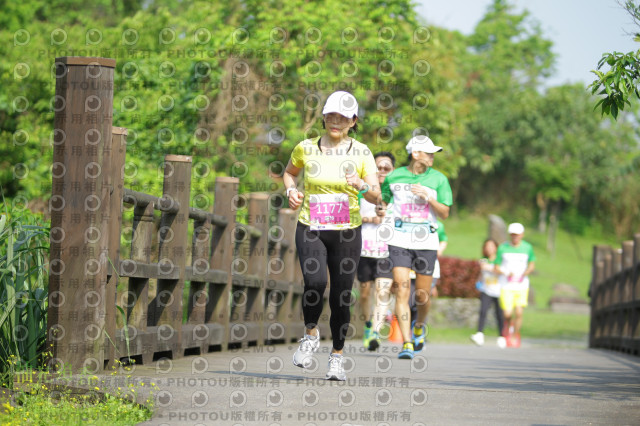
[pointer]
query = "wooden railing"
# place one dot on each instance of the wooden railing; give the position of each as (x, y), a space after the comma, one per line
(615, 297)
(242, 282)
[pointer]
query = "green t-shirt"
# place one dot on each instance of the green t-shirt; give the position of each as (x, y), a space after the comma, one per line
(514, 260)
(329, 202)
(411, 213)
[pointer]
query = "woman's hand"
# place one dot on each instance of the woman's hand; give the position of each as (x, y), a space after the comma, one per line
(354, 180)
(295, 198)
(289, 179)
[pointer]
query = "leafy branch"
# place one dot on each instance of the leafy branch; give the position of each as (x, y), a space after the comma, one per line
(620, 82)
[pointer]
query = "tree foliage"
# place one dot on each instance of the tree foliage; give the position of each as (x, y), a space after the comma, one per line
(237, 84)
(511, 58)
(620, 82)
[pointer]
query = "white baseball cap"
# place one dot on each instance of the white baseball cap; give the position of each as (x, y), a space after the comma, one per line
(344, 103)
(422, 143)
(516, 228)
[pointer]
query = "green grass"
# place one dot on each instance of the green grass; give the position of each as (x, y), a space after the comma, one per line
(544, 324)
(44, 408)
(34, 399)
(536, 324)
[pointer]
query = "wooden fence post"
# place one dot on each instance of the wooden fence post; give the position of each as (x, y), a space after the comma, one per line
(635, 296)
(616, 268)
(114, 223)
(217, 311)
(137, 296)
(238, 329)
(172, 242)
(636, 265)
(278, 286)
(294, 324)
(598, 256)
(595, 294)
(78, 258)
(195, 331)
(627, 265)
(258, 260)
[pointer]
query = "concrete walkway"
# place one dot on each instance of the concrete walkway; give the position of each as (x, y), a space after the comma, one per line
(539, 383)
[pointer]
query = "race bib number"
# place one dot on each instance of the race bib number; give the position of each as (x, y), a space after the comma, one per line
(414, 212)
(492, 285)
(327, 211)
(374, 248)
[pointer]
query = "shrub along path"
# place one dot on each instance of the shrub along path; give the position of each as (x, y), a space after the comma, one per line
(445, 384)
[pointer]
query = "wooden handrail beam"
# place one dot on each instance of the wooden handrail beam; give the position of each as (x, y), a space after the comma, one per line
(251, 230)
(141, 199)
(202, 215)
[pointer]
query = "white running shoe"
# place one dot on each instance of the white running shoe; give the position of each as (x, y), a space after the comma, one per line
(309, 344)
(478, 338)
(336, 368)
(502, 342)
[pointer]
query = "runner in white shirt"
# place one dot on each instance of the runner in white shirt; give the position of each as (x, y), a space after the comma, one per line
(374, 269)
(489, 294)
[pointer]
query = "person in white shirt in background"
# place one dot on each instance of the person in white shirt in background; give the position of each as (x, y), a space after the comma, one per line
(374, 269)
(489, 294)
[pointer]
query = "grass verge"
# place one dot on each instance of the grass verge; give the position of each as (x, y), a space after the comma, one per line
(48, 399)
(536, 324)
(43, 407)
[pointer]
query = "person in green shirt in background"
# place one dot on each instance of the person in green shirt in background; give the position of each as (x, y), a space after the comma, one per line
(515, 260)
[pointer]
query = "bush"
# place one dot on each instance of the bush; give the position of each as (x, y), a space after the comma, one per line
(458, 277)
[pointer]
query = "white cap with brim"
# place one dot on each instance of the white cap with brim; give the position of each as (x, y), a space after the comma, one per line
(516, 228)
(422, 143)
(344, 103)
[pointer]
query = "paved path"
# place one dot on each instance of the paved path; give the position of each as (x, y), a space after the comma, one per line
(446, 384)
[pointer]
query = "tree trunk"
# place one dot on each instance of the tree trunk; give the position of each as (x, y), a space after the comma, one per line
(553, 227)
(455, 189)
(542, 216)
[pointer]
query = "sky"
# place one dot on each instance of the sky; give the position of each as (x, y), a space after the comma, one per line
(581, 30)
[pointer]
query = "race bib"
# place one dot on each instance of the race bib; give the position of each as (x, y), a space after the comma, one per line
(491, 284)
(373, 248)
(329, 211)
(414, 212)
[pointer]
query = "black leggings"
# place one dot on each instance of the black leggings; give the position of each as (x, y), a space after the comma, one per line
(485, 304)
(340, 252)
